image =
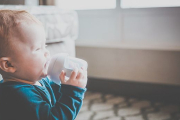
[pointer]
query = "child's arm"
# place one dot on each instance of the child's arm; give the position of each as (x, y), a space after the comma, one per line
(75, 102)
(26, 102)
(72, 92)
(78, 78)
(30, 105)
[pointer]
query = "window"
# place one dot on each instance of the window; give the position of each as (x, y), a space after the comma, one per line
(149, 3)
(86, 4)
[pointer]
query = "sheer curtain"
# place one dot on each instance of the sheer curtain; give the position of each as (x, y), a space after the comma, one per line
(86, 4)
(149, 3)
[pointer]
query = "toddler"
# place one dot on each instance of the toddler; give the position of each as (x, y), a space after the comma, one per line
(26, 93)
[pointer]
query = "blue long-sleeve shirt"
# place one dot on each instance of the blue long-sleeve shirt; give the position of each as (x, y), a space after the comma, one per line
(21, 101)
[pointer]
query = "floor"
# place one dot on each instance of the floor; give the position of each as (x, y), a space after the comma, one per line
(99, 106)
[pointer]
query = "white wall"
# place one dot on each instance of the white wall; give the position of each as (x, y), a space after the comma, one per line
(152, 66)
(132, 44)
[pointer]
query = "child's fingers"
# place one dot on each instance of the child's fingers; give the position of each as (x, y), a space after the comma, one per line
(80, 74)
(74, 74)
(85, 75)
(62, 76)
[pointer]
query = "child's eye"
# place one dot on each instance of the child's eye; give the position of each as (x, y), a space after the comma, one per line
(38, 49)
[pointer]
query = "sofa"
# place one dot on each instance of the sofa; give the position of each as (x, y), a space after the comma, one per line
(61, 26)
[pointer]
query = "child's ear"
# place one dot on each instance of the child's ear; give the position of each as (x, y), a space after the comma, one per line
(6, 65)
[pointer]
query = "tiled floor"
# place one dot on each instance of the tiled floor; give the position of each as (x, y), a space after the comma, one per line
(99, 106)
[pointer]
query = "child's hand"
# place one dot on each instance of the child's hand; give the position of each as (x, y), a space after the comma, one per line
(78, 78)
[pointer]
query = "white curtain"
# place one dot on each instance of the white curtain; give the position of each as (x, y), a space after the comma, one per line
(86, 4)
(149, 3)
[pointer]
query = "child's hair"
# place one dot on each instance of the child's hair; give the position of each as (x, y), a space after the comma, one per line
(9, 19)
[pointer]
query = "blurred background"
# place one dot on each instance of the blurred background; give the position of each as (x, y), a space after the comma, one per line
(133, 50)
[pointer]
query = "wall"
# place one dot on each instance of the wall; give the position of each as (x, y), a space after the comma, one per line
(154, 66)
(132, 44)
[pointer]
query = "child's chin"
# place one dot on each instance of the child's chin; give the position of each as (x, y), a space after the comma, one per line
(44, 75)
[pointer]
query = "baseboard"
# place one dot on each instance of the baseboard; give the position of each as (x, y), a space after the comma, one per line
(150, 91)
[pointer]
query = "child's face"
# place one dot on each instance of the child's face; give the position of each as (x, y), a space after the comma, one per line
(30, 54)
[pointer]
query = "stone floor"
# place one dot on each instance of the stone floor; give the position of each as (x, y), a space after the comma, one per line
(99, 106)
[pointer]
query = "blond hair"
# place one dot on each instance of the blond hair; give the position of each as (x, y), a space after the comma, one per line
(9, 19)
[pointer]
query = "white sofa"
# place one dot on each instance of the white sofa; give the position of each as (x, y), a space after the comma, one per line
(61, 26)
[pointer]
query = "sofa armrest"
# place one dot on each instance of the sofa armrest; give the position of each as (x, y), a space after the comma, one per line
(59, 24)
